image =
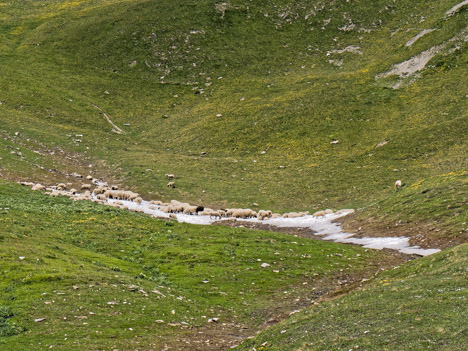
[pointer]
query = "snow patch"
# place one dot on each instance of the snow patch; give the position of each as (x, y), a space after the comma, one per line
(322, 226)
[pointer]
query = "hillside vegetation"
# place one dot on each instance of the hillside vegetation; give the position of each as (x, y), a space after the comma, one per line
(262, 88)
(272, 104)
(79, 275)
(419, 306)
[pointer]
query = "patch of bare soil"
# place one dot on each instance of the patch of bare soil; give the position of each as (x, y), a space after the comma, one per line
(300, 232)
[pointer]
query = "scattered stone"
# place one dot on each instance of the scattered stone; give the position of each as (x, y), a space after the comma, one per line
(382, 143)
(334, 142)
(38, 320)
(265, 265)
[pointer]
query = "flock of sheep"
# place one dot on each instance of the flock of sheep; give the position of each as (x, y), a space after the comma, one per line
(101, 192)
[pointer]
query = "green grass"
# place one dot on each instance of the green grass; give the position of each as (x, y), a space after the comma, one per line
(163, 71)
(91, 271)
(437, 204)
(422, 305)
(278, 94)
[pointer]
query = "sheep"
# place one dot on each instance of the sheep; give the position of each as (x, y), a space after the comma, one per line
(169, 176)
(114, 187)
(158, 203)
(322, 213)
(73, 191)
(398, 184)
(263, 215)
(172, 216)
(243, 213)
(191, 210)
(171, 185)
(276, 215)
(138, 200)
(120, 203)
(101, 197)
(86, 187)
(99, 190)
(209, 212)
(26, 183)
(180, 206)
(121, 195)
(302, 214)
(38, 186)
(345, 210)
(290, 215)
(61, 186)
(89, 177)
(166, 209)
(230, 211)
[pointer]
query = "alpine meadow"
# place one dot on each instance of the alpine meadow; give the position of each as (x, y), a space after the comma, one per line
(238, 174)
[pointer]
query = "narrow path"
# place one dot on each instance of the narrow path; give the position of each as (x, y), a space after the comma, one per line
(115, 129)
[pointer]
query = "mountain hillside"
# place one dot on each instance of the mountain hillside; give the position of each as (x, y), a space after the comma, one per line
(273, 82)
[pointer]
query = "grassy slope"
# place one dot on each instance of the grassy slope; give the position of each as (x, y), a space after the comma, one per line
(431, 211)
(278, 93)
(422, 305)
(62, 260)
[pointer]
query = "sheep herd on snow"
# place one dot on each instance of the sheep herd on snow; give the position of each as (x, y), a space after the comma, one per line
(101, 192)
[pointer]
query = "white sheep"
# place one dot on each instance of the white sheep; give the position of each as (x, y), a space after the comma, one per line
(322, 213)
(190, 210)
(398, 184)
(243, 213)
(167, 209)
(230, 211)
(169, 176)
(86, 187)
(171, 185)
(345, 210)
(209, 212)
(38, 186)
(138, 200)
(276, 215)
(263, 215)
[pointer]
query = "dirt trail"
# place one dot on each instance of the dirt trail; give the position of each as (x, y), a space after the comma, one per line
(115, 129)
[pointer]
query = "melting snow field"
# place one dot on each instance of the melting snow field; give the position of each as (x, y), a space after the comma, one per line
(322, 226)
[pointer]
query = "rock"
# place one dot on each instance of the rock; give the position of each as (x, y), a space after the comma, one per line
(265, 265)
(38, 320)
(334, 142)
(382, 143)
